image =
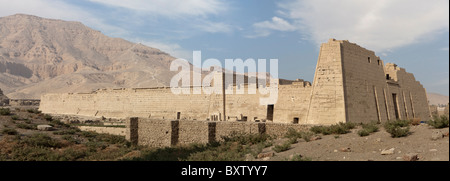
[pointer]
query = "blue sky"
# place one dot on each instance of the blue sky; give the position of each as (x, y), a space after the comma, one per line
(411, 33)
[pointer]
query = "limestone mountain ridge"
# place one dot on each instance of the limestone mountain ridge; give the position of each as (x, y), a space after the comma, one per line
(39, 56)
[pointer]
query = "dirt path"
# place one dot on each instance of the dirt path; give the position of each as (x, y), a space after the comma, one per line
(330, 148)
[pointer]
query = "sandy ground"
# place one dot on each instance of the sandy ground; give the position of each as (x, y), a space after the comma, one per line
(329, 148)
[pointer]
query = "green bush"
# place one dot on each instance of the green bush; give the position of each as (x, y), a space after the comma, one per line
(292, 133)
(227, 151)
(58, 123)
(70, 139)
(113, 139)
(371, 127)
(363, 133)
(5, 111)
(48, 117)
(307, 136)
(245, 139)
(300, 158)
(397, 129)
(26, 126)
(234, 148)
(9, 131)
(15, 117)
(317, 129)
(292, 140)
(341, 128)
(102, 138)
(367, 129)
(89, 134)
(35, 111)
(66, 132)
(94, 146)
(27, 121)
(283, 147)
(72, 155)
(439, 122)
(400, 123)
(41, 140)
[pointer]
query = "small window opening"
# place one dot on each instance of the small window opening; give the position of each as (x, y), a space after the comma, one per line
(244, 118)
(295, 121)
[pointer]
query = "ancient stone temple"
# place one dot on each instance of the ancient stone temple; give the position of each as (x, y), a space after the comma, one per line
(351, 84)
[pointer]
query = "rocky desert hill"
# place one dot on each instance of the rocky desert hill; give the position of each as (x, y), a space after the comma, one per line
(437, 99)
(39, 55)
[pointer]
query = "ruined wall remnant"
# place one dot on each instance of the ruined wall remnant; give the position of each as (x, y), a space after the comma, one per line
(24, 102)
(446, 112)
(3, 99)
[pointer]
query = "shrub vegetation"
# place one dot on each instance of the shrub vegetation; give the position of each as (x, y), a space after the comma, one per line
(9, 131)
(368, 129)
(439, 122)
(398, 128)
(341, 128)
(5, 111)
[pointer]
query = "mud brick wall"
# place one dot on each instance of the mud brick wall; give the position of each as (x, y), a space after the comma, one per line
(279, 130)
(196, 132)
(155, 133)
(164, 133)
(224, 129)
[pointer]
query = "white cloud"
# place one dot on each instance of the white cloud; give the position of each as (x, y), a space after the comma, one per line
(265, 28)
(213, 27)
(276, 24)
(172, 48)
(444, 49)
(378, 25)
(259, 33)
(189, 13)
(170, 8)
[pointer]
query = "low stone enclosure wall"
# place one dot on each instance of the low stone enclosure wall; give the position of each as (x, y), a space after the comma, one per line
(166, 133)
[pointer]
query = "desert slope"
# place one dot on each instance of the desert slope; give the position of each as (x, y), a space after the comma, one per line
(437, 99)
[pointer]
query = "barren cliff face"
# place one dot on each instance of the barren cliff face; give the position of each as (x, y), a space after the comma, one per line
(40, 56)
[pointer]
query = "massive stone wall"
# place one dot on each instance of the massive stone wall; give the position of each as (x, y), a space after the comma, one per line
(158, 103)
(293, 103)
(352, 84)
(166, 133)
(364, 84)
(327, 104)
(412, 101)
